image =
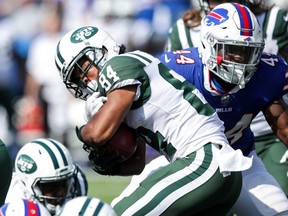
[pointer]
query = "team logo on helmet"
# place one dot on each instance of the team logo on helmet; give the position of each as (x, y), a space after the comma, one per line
(216, 17)
(26, 164)
(83, 34)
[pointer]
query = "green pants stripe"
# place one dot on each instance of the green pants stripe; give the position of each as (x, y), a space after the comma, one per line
(159, 192)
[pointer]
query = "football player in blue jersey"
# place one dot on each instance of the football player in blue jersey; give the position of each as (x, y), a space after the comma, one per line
(239, 81)
(185, 33)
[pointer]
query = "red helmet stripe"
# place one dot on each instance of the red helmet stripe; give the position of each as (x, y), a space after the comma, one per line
(31, 208)
(245, 20)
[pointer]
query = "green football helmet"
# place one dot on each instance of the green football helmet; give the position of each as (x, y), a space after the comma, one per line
(46, 168)
(86, 42)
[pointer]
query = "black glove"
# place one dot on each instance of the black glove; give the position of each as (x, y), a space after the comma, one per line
(78, 133)
(103, 163)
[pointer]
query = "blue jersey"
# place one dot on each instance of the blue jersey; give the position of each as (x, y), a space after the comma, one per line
(240, 106)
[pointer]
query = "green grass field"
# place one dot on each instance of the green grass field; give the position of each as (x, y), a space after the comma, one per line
(105, 188)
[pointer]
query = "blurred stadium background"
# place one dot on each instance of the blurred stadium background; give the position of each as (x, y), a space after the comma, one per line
(105, 187)
(34, 102)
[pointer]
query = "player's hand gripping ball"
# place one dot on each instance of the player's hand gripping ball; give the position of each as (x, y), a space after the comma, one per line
(120, 147)
(124, 141)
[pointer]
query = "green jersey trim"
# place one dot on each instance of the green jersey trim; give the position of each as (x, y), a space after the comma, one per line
(188, 92)
(123, 70)
(148, 183)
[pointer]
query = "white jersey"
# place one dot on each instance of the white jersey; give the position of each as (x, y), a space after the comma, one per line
(175, 129)
(17, 190)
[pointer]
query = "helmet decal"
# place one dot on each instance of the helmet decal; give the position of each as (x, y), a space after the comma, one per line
(245, 20)
(216, 17)
(83, 34)
(26, 164)
(51, 153)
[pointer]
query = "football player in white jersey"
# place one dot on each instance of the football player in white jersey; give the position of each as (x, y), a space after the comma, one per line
(45, 172)
(167, 112)
(185, 33)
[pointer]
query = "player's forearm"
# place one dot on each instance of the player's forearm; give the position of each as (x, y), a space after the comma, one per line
(277, 117)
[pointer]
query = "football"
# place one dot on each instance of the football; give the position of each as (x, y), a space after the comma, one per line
(124, 141)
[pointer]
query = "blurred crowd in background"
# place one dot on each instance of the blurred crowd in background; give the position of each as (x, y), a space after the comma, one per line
(33, 101)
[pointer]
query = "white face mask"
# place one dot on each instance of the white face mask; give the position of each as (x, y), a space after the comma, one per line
(92, 86)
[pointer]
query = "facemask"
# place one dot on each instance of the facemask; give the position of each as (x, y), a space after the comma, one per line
(92, 86)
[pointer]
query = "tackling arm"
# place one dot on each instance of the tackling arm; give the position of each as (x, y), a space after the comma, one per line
(277, 117)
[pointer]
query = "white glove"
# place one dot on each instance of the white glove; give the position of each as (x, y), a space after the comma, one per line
(93, 105)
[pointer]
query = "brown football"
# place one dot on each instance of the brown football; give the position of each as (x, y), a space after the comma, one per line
(124, 141)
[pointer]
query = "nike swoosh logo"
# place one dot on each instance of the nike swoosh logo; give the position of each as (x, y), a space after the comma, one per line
(167, 60)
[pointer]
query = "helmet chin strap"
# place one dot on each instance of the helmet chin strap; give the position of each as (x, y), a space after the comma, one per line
(216, 85)
(220, 85)
(51, 208)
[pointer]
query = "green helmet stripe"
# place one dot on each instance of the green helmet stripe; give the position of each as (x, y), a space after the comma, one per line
(59, 60)
(61, 152)
(59, 56)
(58, 67)
(98, 209)
(86, 204)
(50, 152)
(84, 207)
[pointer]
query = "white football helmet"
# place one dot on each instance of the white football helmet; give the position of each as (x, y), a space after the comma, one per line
(90, 42)
(86, 206)
(23, 207)
(232, 43)
(45, 166)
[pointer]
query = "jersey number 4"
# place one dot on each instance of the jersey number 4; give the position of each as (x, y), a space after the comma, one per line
(182, 59)
(236, 132)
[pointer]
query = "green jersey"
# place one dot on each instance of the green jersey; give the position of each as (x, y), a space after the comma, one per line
(181, 37)
(275, 30)
(168, 112)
